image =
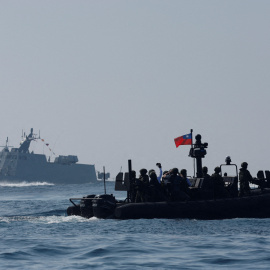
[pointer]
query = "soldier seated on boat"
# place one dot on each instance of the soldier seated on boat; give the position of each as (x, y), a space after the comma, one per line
(207, 189)
(219, 190)
(244, 179)
(185, 186)
(142, 187)
(160, 172)
(150, 171)
(178, 187)
(166, 184)
(156, 193)
(183, 174)
(207, 183)
(165, 177)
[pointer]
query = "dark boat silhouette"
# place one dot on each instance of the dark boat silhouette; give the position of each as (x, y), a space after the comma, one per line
(200, 206)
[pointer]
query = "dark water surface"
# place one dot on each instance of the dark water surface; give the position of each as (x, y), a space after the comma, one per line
(36, 234)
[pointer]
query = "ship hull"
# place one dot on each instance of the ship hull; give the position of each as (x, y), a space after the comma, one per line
(17, 167)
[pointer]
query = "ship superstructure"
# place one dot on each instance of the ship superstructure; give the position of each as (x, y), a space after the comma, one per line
(18, 164)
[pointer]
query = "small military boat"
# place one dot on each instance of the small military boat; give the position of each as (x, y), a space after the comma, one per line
(200, 206)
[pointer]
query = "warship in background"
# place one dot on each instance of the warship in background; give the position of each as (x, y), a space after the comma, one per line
(18, 164)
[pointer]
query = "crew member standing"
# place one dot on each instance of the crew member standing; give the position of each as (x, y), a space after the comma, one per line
(142, 187)
(218, 184)
(244, 178)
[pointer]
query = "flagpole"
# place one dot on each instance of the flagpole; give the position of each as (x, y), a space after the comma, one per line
(191, 131)
(104, 178)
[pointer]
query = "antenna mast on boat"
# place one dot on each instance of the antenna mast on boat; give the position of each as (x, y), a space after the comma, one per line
(198, 152)
(104, 178)
(191, 132)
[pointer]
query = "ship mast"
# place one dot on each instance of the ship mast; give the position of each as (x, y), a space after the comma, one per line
(25, 144)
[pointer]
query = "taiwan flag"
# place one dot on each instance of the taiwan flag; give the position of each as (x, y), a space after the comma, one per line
(183, 140)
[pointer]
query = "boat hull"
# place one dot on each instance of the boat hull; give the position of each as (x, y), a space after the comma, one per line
(244, 207)
(255, 206)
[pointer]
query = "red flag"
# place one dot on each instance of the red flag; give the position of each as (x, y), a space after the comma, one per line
(183, 140)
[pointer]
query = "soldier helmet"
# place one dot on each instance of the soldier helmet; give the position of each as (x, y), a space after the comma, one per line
(244, 165)
(204, 169)
(143, 171)
(152, 174)
(228, 160)
(184, 172)
(217, 170)
(175, 171)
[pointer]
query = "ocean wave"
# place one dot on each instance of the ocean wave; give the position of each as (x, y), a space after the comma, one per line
(54, 219)
(62, 219)
(46, 219)
(25, 184)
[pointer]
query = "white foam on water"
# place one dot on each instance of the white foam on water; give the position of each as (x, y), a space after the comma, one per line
(46, 219)
(4, 219)
(61, 219)
(25, 184)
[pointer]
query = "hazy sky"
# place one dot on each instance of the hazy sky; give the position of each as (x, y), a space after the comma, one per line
(113, 80)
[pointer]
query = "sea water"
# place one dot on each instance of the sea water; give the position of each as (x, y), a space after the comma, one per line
(36, 233)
